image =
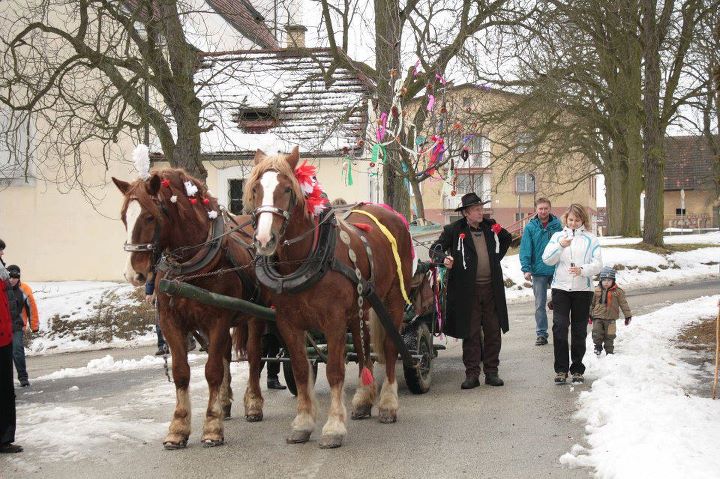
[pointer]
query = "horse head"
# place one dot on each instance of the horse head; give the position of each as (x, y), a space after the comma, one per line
(274, 197)
(168, 210)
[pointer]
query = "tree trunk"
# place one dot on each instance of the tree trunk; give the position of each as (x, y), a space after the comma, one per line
(387, 64)
(613, 207)
(633, 182)
(653, 131)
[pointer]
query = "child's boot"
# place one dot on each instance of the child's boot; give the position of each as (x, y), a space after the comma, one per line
(598, 349)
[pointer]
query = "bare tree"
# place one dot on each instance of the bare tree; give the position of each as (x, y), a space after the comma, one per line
(414, 45)
(94, 70)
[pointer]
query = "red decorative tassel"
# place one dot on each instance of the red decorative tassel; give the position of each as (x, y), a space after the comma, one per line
(363, 226)
(165, 182)
(367, 377)
(193, 201)
(206, 201)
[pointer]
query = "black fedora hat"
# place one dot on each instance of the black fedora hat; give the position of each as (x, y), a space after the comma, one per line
(470, 199)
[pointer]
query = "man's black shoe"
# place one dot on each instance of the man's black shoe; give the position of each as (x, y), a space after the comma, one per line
(24, 383)
(470, 382)
(541, 341)
(162, 350)
(10, 448)
(274, 383)
(493, 379)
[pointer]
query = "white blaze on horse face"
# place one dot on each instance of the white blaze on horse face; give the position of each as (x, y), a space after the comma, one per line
(131, 216)
(269, 182)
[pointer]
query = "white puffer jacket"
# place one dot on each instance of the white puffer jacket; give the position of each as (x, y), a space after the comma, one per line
(584, 251)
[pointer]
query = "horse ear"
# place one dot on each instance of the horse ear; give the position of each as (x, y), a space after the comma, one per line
(153, 186)
(294, 157)
(259, 156)
(123, 186)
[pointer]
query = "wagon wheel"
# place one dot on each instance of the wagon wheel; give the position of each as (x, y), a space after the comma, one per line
(290, 377)
(418, 377)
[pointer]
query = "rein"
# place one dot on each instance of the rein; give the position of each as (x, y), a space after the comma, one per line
(202, 259)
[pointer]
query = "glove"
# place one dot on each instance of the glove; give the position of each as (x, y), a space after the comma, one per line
(627, 320)
(589, 319)
(550, 305)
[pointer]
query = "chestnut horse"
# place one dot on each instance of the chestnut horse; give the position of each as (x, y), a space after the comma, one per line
(285, 228)
(162, 216)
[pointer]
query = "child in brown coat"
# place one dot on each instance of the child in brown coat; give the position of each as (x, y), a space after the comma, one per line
(607, 302)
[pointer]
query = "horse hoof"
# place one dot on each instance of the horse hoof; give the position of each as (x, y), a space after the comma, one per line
(298, 437)
(361, 412)
(173, 445)
(254, 417)
(213, 442)
(331, 441)
(388, 417)
(226, 412)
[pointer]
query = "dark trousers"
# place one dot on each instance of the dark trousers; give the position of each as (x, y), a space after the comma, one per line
(7, 395)
(484, 341)
(570, 309)
(271, 348)
(19, 355)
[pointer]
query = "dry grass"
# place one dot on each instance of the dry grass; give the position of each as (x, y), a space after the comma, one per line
(699, 337)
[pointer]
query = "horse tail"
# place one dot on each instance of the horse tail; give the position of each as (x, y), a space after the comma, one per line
(240, 339)
(377, 336)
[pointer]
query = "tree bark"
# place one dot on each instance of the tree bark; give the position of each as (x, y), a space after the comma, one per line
(653, 131)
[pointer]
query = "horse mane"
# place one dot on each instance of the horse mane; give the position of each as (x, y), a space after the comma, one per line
(177, 177)
(277, 163)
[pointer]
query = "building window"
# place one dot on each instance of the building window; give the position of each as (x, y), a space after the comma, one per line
(256, 120)
(235, 194)
(520, 216)
(469, 184)
(14, 163)
(593, 186)
(680, 211)
(524, 142)
(479, 152)
(525, 183)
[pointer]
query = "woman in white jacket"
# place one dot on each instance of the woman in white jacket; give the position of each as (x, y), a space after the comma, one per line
(575, 253)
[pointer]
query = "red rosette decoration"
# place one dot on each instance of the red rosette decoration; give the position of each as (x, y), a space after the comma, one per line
(165, 182)
(496, 229)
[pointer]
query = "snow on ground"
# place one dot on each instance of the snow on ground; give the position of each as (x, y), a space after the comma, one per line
(642, 268)
(108, 365)
(75, 301)
(72, 431)
(698, 238)
(641, 417)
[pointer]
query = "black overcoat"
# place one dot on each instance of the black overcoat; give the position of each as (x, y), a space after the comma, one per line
(461, 288)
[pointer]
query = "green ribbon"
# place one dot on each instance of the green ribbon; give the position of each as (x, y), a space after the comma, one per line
(348, 176)
(377, 149)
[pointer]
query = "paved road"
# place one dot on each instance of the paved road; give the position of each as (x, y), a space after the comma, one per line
(112, 425)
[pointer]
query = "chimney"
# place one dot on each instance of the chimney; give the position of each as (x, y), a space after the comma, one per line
(295, 36)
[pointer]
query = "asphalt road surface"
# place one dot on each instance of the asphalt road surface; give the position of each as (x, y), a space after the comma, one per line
(112, 424)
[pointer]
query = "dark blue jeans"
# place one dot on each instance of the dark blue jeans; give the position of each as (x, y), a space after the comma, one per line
(19, 356)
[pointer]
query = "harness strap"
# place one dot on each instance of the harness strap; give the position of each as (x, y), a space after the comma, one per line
(201, 259)
(367, 290)
(393, 244)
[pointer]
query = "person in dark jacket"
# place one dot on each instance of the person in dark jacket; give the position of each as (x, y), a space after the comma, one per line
(19, 304)
(471, 248)
(7, 386)
(535, 238)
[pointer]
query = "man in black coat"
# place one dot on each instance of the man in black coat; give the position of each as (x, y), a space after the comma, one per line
(471, 248)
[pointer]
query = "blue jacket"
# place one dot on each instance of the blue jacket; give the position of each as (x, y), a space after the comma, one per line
(534, 240)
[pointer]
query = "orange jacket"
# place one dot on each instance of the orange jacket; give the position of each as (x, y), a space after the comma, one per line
(35, 319)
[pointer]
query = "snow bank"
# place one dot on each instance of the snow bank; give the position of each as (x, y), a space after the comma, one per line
(641, 417)
(701, 238)
(642, 268)
(73, 300)
(108, 365)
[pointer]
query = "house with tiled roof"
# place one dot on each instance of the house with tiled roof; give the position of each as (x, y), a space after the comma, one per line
(256, 94)
(691, 192)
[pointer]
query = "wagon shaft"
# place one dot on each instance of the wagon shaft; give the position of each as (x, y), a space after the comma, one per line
(174, 288)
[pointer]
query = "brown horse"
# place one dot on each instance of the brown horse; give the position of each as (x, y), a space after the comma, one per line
(173, 214)
(285, 228)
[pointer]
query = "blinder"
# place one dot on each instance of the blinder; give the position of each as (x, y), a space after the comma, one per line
(153, 247)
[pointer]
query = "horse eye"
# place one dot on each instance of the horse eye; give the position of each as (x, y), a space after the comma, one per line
(287, 190)
(150, 219)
